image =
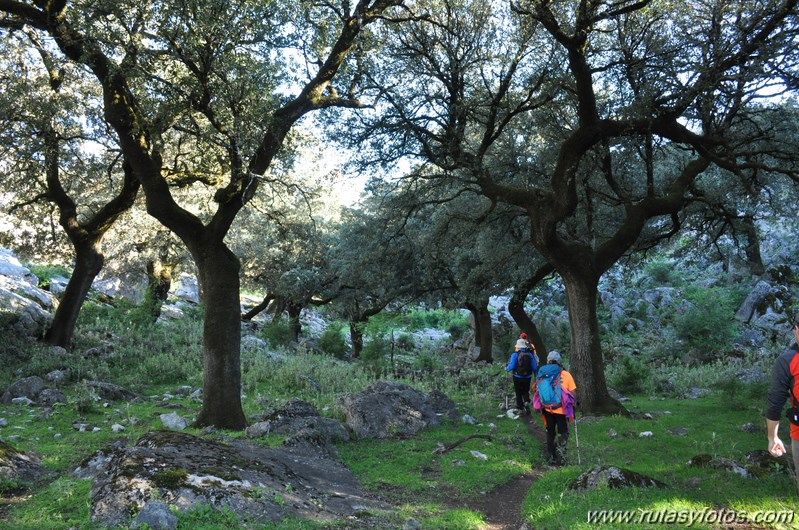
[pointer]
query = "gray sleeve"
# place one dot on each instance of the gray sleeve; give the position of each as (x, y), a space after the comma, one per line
(781, 382)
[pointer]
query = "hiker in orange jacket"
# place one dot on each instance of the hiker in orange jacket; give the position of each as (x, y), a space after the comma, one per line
(556, 417)
(785, 383)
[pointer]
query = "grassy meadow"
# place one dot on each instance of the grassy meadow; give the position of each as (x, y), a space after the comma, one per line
(434, 489)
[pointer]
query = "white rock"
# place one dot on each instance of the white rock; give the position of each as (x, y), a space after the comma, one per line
(646, 434)
(173, 421)
(117, 427)
(479, 455)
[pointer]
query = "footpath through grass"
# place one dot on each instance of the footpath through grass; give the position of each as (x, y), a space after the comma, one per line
(431, 486)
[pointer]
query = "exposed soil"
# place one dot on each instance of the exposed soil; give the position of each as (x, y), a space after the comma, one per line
(502, 507)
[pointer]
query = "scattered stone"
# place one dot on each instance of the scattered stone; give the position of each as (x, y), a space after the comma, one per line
(51, 396)
(183, 391)
(117, 427)
(80, 427)
(612, 433)
(59, 377)
(103, 351)
(647, 416)
(173, 421)
(678, 431)
(412, 524)
(750, 428)
(695, 392)
(111, 391)
(26, 401)
(478, 455)
(458, 463)
(468, 419)
(646, 434)
(156, 516)
(613, 478)
(718, 462)
(3, 422)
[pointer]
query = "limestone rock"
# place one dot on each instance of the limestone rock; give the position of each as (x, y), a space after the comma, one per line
(386, 409)
(613, 478)
(259, 483)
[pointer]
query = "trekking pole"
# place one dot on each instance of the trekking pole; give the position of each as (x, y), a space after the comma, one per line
(577, 439)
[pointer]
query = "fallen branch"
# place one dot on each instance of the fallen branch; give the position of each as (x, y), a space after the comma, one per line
(447, 448)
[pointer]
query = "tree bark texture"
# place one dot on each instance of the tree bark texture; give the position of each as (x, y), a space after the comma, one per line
(294, 311)
(483, 337)
(219, 278)
(159, 281)
(89, 261)
(587, 363)
(356, 338)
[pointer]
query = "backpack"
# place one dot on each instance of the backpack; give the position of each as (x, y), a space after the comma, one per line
(548, 386)
(525, 363)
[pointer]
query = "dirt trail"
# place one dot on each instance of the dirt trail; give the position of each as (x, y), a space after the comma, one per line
(502, 507)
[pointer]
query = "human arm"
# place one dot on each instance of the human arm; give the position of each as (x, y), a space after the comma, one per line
(781, 381)
(512, 363)
(775, 445)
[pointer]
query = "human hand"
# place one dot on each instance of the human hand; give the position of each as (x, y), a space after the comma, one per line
(776, 447)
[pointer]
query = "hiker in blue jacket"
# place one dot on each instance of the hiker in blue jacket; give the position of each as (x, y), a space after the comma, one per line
(522, 364)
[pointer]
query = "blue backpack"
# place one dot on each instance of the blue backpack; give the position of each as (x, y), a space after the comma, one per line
(548, 386)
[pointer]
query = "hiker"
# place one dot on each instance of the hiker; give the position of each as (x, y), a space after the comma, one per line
(784, 383)
(554, 398)
(522, 364)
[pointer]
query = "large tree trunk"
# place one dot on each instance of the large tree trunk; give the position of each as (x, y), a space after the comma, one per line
(483, 337)
(525, 323)
(752, 249)
(159, 280)
(587, 363)
(89, 261)
(219, 279)
(294, 311)
(356, 337)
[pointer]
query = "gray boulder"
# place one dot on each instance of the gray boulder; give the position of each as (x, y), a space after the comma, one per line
(613, 478)
(29, 387)
(156, 516)
(387, 409)
(302, 421)
(19, 466)
(261, 484)
(50, 396)
(752, 306)
(187, 289)
(112, 392)
(718, 462)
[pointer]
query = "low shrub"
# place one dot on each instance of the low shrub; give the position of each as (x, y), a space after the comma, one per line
(332, 340)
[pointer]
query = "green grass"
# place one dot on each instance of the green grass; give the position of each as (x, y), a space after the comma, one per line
(422, 483)
(713, 428)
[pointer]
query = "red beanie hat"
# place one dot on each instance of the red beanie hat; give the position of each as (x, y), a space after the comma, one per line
(523, 336)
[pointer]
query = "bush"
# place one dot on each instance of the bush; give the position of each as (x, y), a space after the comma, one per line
(660, 272)
(278, 334)
(406, 341)
(332, 340)
(630, 377)
(709, 326)
(45, 272)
